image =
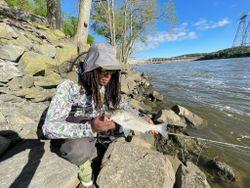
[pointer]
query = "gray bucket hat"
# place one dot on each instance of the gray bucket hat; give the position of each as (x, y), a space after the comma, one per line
(101, 55)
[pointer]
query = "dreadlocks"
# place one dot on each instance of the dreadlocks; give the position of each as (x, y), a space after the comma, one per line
(112, 95)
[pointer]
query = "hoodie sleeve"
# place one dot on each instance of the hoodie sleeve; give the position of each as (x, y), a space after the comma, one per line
(55, 125)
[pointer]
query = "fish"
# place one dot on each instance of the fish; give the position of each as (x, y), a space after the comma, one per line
(129, 120)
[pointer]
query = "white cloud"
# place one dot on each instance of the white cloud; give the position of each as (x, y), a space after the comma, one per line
(204, 24)
(177, 34)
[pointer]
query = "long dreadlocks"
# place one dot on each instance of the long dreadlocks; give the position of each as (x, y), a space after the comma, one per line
(89, 81)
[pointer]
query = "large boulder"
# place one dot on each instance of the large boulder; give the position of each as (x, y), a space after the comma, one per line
(49, 81)
(32, 164)
(11, 52)
(6, 32)
(65, 54)
(34, 63)
(170, 117)
(140, 106)
(8, 71)
(193, 119)
(22, 117)
(129, 165)
(190, 176)
(222, 170)
(45, 49)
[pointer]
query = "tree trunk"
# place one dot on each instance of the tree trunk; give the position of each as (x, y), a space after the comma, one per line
(81, 35)
(51, 13)
(58, 15)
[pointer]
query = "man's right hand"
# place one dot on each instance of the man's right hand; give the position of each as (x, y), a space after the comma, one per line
(100, 124)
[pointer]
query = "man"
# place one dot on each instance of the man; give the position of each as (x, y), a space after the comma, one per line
(75, 114)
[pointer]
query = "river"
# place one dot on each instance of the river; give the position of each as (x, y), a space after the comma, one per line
(219, 92)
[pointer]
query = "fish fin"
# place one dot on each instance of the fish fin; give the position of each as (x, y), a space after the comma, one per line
(163, 130)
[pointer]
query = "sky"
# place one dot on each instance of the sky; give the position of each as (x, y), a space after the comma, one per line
(203, 26)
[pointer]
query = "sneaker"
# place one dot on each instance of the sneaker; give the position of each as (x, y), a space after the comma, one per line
(85, 174)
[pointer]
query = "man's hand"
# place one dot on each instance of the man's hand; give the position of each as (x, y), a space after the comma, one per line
(100, 124)
(149, 120)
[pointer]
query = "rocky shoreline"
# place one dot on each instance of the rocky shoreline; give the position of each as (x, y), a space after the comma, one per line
(33, 61)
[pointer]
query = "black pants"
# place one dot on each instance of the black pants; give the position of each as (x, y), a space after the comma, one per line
(76, 151)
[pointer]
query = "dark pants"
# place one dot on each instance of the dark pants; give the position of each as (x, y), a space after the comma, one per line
(76, 151)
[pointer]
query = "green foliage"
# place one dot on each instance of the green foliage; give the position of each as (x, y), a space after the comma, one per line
(38, 7)
(243, 51)
(70, 25)
(90, 39)
(22, 4)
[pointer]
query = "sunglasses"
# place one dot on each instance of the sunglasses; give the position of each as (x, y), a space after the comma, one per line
(106, 72)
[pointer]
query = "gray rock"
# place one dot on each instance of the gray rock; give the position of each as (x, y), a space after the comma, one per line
(7, 32)
(46, 49)
(128, 165)
(14, 84)
(194, 119)
(8, 71)
(140, 106)
(156, 96)
(170, 117)
(10, 98)
(4, 144)
(22, 117)
(190, 176)
(32, 164)
(27, 81)
(10, 52)
(222, 170)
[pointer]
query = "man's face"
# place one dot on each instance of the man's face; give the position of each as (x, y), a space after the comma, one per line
(104, 77)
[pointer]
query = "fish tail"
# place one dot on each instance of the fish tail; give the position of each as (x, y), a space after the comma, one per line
(163, 130)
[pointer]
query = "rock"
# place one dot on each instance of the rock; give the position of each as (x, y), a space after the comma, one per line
(14, 84)
(4, 144)
(21, 40)
(140, 106)
(34, 93)
(32, 164)
(10, 52)
(45, 49)
(6, 32)
(2, 118)
(190, 176)
(72, 76)
(128, 165)
(65, 54)
(156, 96)
(50, 81)
(27, 81)
(8, 71)
(168, 116)
(21, 15)
(10, 98)
(33, 63)
(175, 162)
(22, 118)
(222, 170)
(195, 120)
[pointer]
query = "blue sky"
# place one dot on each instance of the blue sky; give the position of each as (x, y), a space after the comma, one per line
(203, 26)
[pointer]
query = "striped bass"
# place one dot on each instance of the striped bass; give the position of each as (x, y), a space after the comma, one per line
(129, 120)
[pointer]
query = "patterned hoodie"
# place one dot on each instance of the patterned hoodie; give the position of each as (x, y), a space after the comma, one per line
(71, 111)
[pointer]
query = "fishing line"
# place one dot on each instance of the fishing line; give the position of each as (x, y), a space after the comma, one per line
(211, 141)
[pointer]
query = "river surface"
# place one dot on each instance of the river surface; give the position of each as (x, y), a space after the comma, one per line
(219, 92)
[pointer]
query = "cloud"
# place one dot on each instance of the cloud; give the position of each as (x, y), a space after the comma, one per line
(177, 34)
(204, 24)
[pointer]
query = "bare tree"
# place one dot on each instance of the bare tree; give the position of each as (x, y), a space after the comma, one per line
(81, 35)
(51, 13)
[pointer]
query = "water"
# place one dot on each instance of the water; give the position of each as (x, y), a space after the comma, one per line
(218, 91)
